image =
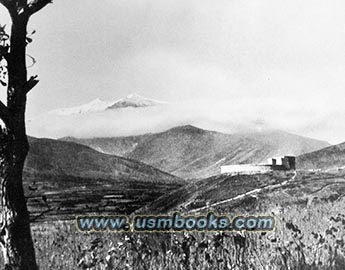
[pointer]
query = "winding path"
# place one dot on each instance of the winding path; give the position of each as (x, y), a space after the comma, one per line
(257, 190)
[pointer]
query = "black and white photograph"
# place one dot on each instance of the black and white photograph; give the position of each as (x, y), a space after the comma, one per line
(172, 135)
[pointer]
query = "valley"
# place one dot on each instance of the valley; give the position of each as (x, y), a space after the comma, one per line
(65, 178)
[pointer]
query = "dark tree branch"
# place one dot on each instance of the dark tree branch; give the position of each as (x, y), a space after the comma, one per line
(7, 4)
(12, 7)
(36, 5)
(33, 60)
(31, 83)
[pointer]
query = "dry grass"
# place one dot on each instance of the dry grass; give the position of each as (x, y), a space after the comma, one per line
(309, 234)
(305, 238)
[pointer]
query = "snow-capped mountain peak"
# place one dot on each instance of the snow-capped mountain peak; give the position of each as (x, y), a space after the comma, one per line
(98, 105)
(134, 100)
(134, 96)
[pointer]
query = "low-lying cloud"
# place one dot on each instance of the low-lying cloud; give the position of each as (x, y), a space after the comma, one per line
(304, 117)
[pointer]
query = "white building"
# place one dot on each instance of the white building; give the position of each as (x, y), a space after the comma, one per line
(245, 169)
(282, 163)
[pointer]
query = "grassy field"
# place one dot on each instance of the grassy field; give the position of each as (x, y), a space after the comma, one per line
(309, 234)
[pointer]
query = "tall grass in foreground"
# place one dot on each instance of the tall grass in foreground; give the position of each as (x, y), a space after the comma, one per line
(305, 238)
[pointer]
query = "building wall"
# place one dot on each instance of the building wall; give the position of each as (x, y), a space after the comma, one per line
(292, 162)
(283, 163)
(245, 168)
(277, 163)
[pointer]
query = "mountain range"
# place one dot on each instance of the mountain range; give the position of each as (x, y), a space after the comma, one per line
(72, 177)
(191, 152)
(136, 115)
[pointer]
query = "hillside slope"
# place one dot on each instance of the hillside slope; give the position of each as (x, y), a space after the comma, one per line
(68, 158)
(331, 157)
(307, 209)
(211, 190)
(67, 179)
(192, 152)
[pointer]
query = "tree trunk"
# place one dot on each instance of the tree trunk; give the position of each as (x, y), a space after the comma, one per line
(18, 248)
(15, 233)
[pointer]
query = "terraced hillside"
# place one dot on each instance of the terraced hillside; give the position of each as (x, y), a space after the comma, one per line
(65, 178)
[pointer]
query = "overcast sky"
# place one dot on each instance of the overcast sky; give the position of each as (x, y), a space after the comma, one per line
(290, 53)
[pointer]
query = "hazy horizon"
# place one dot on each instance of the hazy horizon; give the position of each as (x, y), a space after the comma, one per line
(226, 116)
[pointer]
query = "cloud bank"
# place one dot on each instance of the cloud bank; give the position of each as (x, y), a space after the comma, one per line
(229, 116)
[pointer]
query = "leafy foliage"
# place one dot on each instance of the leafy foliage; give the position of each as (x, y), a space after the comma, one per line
(4, 49)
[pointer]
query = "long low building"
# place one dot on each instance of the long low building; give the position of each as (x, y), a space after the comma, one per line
(245, 168)
(283, 163)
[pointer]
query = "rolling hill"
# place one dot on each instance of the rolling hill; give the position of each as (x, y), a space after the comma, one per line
(331, 157)
(191, 152)
(68, 158)
(67, 179)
